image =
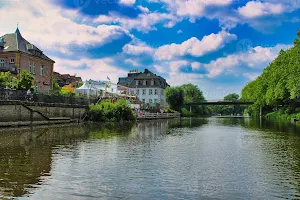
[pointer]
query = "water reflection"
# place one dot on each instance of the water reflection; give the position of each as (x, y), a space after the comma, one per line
(26, 155)
(230, 158)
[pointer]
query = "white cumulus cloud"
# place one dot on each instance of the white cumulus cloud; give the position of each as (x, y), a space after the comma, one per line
(257, 9)
(195, 47)
(43, 24)
(257, 57)
(127, 2)
(138, 49)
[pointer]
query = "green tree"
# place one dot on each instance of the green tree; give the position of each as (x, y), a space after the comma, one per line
(175, 97)
(278, 86)
(4, 79)
(26, 81)
(55, 86)
(192, 93)
(229, 109)
(232, 97)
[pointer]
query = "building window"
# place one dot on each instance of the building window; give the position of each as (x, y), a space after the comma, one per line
(1, 63)
(34, 69)
(150, 92)
(42, 70)
(144, 92)
(30, 67)
(12, 60)
(144, 101)
(137, 91)
(155, 100)
(144, 82)
(155, 91)
(152, 82)
(150, 100)
(136, 83)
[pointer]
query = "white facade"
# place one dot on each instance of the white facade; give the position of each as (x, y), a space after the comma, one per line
(149, 95)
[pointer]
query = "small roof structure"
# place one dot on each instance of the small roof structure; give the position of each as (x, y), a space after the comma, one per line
(87, 89)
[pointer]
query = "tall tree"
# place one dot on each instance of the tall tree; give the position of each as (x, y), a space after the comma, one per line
(26, 81)
(192, 93)
(278, 85)
(175, 97)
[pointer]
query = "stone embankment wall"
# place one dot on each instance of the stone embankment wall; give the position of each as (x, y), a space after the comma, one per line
(14, 111)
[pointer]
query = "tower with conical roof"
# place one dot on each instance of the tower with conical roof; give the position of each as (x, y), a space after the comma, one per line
(19, 55)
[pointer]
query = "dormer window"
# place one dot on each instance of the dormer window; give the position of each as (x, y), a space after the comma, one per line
(12, 61)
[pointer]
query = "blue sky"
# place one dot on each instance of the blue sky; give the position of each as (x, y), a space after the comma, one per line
(219, 45)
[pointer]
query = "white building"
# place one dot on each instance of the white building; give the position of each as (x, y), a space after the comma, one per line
(147, 86)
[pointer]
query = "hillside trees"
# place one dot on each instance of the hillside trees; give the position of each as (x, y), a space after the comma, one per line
(279, 84)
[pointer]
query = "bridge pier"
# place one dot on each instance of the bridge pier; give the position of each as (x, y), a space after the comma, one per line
(260, 112)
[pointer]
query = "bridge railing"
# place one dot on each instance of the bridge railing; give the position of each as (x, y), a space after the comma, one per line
(218, 102)
(157, 115)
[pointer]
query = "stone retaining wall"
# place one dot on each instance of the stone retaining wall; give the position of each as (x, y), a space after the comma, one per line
(13, 111)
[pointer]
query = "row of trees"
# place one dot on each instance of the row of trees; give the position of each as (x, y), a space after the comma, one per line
(279, 84)
(229, 109)
(8, 81)
(176, 96)
(26, 81)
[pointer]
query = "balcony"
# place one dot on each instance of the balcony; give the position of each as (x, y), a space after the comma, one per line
(4, 67)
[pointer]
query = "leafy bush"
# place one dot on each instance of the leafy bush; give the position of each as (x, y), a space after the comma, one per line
(281, 115)
(186, 113)
(107, 111)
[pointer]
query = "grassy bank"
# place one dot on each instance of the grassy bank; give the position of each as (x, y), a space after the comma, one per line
(279, 115)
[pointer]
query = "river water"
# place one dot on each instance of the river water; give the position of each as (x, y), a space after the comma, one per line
(214, 158)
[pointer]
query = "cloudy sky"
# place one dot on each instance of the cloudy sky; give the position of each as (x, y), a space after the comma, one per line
(220, 45)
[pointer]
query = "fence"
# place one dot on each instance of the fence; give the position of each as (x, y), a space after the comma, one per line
(158, 115)
(20, 95)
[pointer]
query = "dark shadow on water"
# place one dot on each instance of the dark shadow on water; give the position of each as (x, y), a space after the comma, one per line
(187, 123)
(108, 130)
(26, 155)
(274, 126)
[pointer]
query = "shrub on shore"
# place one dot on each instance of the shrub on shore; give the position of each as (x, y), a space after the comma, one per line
(186, 113)
(280, 115)
(108, 111)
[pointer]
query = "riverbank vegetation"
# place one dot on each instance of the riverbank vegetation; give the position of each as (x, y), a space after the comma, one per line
(176, 96)
(7, 80)
(107, 111)
(228, 109)
(277, 89)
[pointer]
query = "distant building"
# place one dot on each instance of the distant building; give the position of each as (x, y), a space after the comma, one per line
(147, 86)
(67, 79)
(17, 55)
